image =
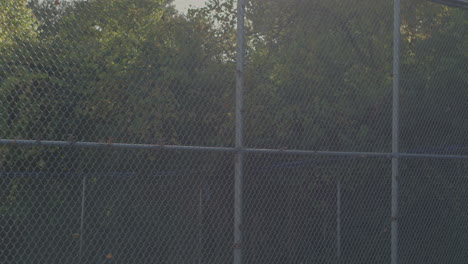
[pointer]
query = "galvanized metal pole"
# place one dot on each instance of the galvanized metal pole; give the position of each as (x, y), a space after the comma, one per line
(239, 158)
(338, 221)
(395, 132)
(83, 199)
(200, 224)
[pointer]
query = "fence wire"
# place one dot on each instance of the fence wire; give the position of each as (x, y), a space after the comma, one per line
(121, 140)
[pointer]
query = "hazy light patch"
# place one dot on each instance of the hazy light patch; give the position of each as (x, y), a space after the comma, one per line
(184, 5)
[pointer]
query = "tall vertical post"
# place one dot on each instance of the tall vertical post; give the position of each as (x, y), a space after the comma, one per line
(395, 132)
(338, 221)
(83, 199)
(239, 166)
(200, 223)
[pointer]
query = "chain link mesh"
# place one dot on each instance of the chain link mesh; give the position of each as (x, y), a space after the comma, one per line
(118, 117)
(322, 58)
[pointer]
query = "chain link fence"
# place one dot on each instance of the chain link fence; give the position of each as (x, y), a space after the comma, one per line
(139, 131)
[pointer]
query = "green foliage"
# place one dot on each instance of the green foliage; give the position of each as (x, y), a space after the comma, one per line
(17, 24)
(319, 65)
(318, 76)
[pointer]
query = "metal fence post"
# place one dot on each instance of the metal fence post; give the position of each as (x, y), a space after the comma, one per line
(238, 182)
(338, 221)
(395, 132)
(83, 199)
(200, 223)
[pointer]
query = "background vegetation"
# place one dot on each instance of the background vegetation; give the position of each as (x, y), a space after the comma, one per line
(318, 76)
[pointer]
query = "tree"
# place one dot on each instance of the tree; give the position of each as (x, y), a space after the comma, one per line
(18, 23)
(108, 71)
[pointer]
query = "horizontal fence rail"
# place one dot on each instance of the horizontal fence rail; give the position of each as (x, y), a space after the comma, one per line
(14, 142)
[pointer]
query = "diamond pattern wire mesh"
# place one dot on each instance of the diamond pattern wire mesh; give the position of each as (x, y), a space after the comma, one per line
(117, 128)
(433, 79)
(291, 209)
(433, 211)
(93, 72)
(320, 60)
(122, 208)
